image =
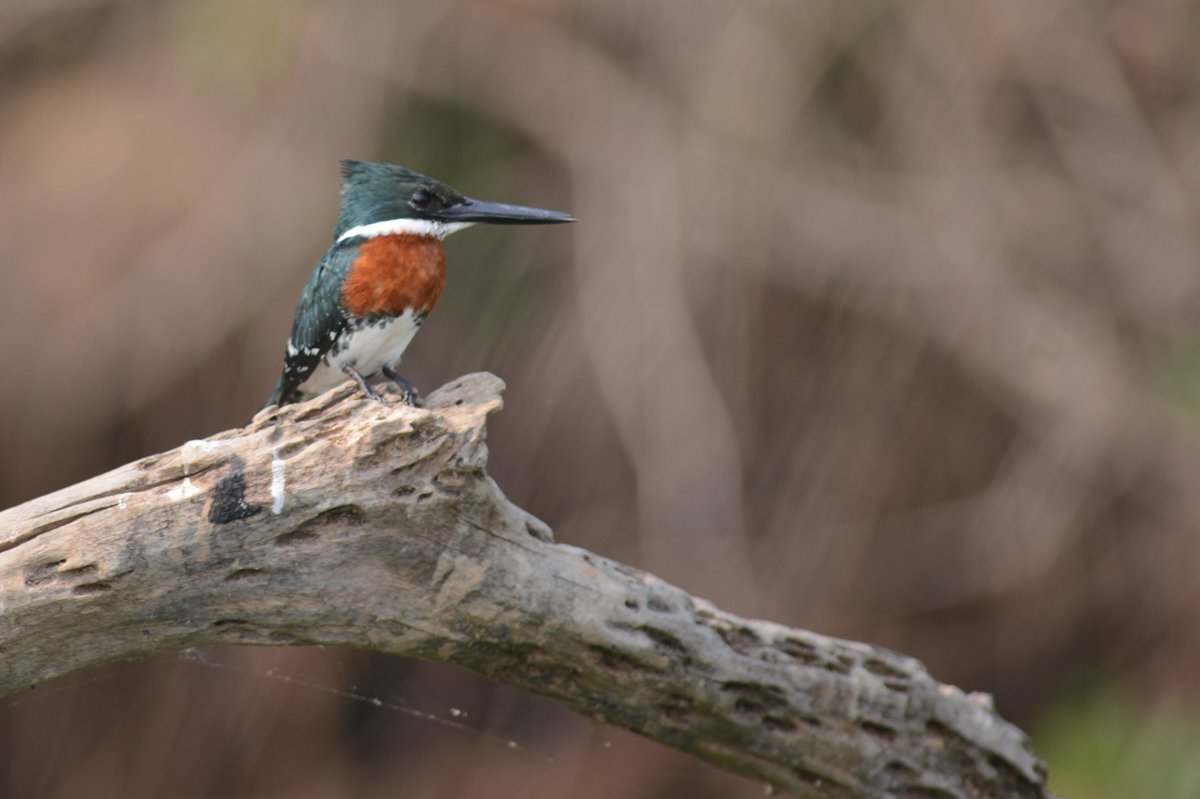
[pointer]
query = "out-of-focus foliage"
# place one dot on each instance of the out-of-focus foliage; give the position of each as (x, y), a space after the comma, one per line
(863, 330)
(1104, 745)
(1176, 374)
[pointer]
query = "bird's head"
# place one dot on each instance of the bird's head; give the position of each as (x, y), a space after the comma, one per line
(383, 199)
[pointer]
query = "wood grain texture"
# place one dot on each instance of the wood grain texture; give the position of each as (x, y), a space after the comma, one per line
(343, 522)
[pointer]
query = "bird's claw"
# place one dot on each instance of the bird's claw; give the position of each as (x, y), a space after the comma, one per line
(364, 385)
(408, 392)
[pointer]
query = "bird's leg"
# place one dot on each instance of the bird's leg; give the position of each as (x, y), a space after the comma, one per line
(408, 392)
(363, 384)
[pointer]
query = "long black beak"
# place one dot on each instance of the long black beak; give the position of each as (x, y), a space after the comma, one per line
(500, 214)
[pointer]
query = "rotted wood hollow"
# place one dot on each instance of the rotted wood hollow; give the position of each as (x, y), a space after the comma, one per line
(342, 522)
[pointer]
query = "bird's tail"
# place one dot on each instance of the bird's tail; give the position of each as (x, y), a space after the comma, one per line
(276, 395)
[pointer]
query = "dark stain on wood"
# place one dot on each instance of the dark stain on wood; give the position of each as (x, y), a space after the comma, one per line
(229, 499)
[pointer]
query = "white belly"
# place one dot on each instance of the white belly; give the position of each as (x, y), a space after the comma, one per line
(368, 348)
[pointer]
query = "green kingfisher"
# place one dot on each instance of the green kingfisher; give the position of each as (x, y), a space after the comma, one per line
(384, 273)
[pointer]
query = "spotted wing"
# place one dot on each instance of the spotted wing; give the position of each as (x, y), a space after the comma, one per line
(320, 319)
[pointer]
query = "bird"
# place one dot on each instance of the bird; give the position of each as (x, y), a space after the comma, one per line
(369, 294)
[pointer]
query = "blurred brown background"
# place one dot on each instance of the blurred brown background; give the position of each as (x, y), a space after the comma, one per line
(881, 320)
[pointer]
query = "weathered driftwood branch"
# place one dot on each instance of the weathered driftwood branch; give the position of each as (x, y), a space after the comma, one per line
(344, 522)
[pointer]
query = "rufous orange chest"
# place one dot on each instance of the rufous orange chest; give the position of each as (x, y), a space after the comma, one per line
(395, 273)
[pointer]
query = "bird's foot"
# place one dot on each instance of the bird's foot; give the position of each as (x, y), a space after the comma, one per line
(408, 392)
(363, 384)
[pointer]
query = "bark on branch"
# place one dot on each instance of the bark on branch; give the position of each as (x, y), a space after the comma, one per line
(343, 522)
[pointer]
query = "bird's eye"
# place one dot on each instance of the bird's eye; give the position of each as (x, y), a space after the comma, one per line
(420, 199)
